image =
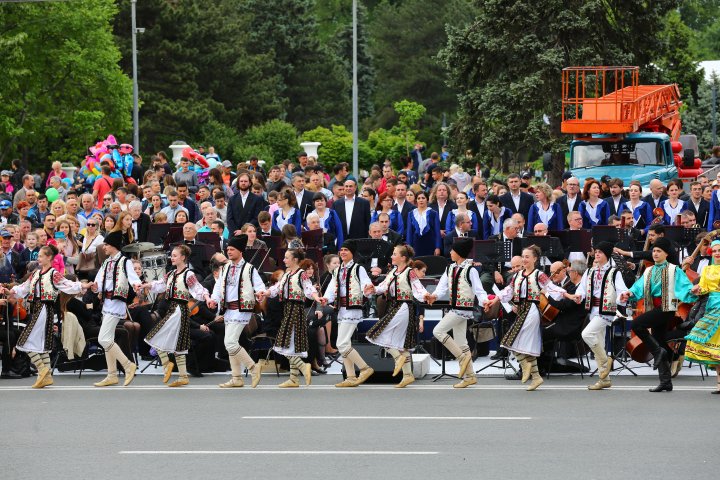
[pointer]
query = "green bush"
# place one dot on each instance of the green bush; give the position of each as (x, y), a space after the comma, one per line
(387, 144)
(336, 146)
(278, 141)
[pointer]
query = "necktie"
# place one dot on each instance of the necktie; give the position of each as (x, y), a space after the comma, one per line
(232, 271)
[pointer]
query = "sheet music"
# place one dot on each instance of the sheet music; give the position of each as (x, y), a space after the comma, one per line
(506, 306)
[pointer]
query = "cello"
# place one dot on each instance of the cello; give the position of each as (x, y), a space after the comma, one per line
(637, 349)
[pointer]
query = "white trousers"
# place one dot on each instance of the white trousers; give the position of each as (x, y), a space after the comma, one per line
(456, 323)
(233, 330)
(594, 333)
(344, 336)
(106, 337)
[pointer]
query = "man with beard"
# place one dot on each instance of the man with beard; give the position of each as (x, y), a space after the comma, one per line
(244, 207)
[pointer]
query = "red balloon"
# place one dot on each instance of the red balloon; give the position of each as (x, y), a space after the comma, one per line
(188, 153)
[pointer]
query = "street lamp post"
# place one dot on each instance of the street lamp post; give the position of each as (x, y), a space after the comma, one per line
(136, 124)
(354, 90)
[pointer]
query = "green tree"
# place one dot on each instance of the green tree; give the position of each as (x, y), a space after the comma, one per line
(194, 74)
(507, 63)
(278, 137)
(409, 114)
(62, 88)
(697, 119)
(336, 146)
(405, 38)
(676, 62)
(315, 85)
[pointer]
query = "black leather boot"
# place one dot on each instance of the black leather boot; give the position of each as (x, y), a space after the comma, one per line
(659, 354)
(665, 378)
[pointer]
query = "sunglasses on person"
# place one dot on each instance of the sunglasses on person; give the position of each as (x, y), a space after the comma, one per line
(92, 224)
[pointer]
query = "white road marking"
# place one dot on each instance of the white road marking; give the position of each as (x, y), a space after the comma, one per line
(344, 391)
(269, 452)
(353, 417)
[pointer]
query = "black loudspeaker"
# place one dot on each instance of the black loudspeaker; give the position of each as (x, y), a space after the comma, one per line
(379, 360)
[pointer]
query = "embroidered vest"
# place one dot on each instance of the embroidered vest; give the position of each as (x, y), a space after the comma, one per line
(353, 289)
(462, 296)
(669, 302)
(48, 290)
(246, 292)
(608, 298)
(121, 286)
(177, 286)
(533, 286)
(403, 289)
(295, 292)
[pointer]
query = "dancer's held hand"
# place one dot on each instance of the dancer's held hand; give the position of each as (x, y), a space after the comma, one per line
(624, 296)
(212, 304)
(369, 289)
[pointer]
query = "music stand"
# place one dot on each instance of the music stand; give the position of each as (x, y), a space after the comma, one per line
(486, 251)
(369, 248)
(550, 247)
(157, 232)
(210, 238)
(272, 241)
(174, 235)
(605, 233)
(312, 238)
(255, 256)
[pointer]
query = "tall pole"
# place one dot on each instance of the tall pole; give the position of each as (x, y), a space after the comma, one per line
(714, 114)
(136, 124)
(354, 90)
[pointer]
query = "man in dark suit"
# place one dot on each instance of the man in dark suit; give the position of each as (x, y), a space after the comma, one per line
(303, 197)
(244, 206)
(391, 236)
(571, 200)
(516, 200)
(354, 213)
(141, 221)
(656, 195)
(616, 197)
(265, 226)
(698, 205)
(402, 205)
(463, 228)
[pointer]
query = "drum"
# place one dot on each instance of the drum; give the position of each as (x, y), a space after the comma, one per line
(153, 264)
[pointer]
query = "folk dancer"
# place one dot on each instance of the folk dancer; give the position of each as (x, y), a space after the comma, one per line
(661, 287)
(524, 337)
(703, 341)
(600, 288)
(113, 281)
(42, 289)
(172, 332)
(292, 340)
(462, 282)
(346, 288)
(397, 329)
(235, 293)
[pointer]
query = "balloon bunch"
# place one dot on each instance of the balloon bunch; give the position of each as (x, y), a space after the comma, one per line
(117, 156)
(195, 158)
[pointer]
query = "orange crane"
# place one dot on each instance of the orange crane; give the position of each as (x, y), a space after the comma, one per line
(608, 111)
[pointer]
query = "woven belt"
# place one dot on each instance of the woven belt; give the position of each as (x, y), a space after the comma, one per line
(595, 302)
(108, 294)
(657, 302)
(342, 302)
(233, 305)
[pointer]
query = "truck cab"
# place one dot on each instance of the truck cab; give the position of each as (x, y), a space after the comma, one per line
(640, 156)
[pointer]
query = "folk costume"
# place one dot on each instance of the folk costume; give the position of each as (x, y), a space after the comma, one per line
(599, 289)
(703, 341)
(42, 290)
(172, 332)
(346, 288)
(461, 282)
(234, 293)
(397, 329)
(115, 281)
(292, 336)
(524, 338)
(661, 287)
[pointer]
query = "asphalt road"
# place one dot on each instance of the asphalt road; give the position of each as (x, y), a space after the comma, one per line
(497, 430)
